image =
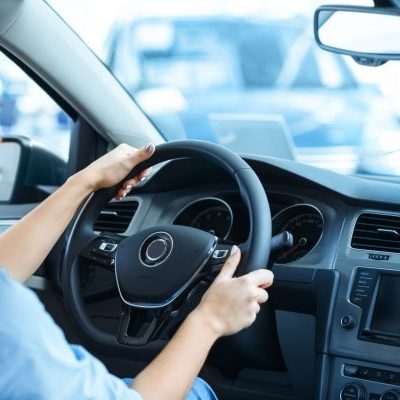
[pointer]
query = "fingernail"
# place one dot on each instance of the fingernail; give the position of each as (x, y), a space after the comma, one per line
(149, 147)
(125, 193)
(129, 187)
(234, 250)
(143, 179)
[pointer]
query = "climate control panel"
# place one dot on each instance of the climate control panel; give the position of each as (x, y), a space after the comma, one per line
(352, 380)
(356, 391)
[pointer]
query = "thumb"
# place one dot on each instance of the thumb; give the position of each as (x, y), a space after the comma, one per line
(145, 152)
(230, 264)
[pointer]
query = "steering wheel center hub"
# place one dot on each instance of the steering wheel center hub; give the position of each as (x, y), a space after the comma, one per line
(156, 249)
(178, 252)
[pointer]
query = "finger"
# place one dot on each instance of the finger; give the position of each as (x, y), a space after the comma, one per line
(144, 173)
(130, 183)
(121, 193)
(261, 296)
(262, 277)
(144, 153)
(230, 265)
(256, 308)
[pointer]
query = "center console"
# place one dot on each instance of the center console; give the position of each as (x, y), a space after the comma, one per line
(376, 294)
(365, 333)
(347, 315)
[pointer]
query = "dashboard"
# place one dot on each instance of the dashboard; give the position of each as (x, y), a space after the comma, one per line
(321, 210)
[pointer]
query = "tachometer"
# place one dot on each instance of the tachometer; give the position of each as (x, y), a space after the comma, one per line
(305, 223)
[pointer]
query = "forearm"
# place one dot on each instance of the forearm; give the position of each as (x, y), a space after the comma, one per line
(173, 371)
(25, 245)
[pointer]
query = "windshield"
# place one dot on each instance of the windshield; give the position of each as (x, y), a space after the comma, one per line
(247, 75)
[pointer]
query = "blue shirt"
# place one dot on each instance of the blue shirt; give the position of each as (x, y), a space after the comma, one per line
(37, 363)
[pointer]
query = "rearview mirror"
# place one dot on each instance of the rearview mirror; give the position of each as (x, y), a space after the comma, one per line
(28, 170)
(368, 34)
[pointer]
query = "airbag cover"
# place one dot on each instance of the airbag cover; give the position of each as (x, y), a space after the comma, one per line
(154, 266)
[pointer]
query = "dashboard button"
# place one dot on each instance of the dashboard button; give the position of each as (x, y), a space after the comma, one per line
(365, 372)
(391, 377)
(350, 370)
(378, 375)
(348, 321)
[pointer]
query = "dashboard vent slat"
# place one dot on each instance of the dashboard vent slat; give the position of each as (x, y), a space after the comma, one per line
(116, 216)
(377, 232)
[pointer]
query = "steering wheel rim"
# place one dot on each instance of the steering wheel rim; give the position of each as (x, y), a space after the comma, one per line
(255, 254)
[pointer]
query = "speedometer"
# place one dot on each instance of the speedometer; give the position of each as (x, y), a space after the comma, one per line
(305, 223)
(215, 220)
(210, 214)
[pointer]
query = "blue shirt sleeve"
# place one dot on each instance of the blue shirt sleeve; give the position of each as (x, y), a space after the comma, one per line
(36, 362)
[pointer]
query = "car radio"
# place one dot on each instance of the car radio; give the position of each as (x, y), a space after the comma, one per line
(376, 291)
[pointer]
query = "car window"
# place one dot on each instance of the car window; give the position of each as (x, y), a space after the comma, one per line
(27, 110)
(211, 70)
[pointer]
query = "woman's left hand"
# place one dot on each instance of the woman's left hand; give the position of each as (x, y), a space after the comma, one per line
(114, 166)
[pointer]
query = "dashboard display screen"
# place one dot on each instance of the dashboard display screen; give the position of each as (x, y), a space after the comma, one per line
(386, 315)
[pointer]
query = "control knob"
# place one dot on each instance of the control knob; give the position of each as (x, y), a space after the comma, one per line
(352, 391)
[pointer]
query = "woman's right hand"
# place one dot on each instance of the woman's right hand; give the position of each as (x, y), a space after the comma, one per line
(232, 303)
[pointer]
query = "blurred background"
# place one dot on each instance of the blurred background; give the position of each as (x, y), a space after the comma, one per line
(243, 73)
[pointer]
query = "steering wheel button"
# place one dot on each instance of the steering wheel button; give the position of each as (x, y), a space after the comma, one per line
(109, 247)
(220, 254)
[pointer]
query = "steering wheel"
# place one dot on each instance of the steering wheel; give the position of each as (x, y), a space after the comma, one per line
(158, 267)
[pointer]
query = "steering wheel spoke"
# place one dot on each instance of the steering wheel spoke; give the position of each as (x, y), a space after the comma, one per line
(137, 326)
(101, 250)
(221, 252)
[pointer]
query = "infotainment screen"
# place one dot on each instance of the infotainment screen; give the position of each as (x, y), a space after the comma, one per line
(386, 314)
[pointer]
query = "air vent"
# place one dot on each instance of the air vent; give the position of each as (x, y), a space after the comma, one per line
(377, 232)
(116, 216)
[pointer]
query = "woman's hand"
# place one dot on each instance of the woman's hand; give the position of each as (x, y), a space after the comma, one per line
(231, 304)
(111, 168)
(24, 247)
